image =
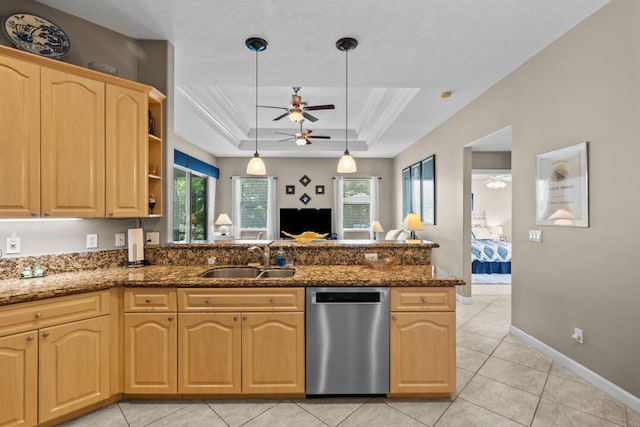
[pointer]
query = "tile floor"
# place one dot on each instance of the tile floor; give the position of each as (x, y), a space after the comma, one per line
(501, 382)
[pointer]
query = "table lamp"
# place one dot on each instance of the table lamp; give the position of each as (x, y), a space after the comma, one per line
(413, 224)
(377, 229)
(223, 221)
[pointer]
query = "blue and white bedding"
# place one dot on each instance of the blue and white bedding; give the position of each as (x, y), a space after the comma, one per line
(490, 251)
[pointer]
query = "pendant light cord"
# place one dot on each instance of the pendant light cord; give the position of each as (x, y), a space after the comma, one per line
(256, 153)
(346, 102)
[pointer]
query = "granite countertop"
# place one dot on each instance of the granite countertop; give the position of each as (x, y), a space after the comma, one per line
(21, 290)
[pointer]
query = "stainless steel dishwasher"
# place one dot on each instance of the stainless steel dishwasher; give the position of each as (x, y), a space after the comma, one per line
(347, 340)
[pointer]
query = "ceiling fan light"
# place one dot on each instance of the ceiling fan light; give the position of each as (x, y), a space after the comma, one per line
(296, 116)
(256, 166)
(301, 141)
(347, 164)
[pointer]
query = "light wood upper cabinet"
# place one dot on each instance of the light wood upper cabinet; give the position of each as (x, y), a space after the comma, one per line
(150, 345)
(126, 152)
(72, 145)
(74, 366)
(273, 353)
(19, 383)
(209, 353)
(20, 138)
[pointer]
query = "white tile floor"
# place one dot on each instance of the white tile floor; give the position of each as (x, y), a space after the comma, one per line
(501, 382)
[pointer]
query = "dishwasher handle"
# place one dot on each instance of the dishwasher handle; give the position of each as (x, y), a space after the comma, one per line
(337, 297)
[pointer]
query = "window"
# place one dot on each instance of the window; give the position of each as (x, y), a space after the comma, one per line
(419, 190)
(190, 210)
(356, 204)
(253, 206)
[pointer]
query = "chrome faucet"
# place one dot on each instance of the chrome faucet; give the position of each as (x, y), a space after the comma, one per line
(264, 253)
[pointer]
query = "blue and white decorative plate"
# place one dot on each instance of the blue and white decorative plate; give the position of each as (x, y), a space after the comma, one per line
(37, 35)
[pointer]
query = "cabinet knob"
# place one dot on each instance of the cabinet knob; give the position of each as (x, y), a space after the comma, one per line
(235, 318)
(34, 214)
(45, 334)
(207, 301)
(110, 213)
(423, 299)
(148, 300)
(47, 214)
(244, 317)
(30, 338)
(270, 300)
(170, 318)
(394, 317)
(38, 315)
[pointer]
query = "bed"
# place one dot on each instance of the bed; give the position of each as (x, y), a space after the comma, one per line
(489, 255)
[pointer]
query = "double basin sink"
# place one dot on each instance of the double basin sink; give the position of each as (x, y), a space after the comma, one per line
(248, 273)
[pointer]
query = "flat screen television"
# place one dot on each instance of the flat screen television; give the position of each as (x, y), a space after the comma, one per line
(296, 221)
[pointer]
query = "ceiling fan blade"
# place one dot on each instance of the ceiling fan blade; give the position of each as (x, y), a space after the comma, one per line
(282, 133)
(320, 107)
(296, 99)
(319, 137)
(309, 117)
(287, 139)
(308, 142)
(281, 116)
(271, 106)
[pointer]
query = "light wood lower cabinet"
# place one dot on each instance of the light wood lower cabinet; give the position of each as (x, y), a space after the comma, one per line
(150, 342)
(422, 344)
(19, 379)
(74, 366)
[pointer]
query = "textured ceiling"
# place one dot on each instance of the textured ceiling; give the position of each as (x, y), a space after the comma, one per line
(409, 52)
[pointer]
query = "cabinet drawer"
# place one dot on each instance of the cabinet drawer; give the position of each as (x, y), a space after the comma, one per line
(53, 311)
(236, 299)
(149, 300)
(423, 299)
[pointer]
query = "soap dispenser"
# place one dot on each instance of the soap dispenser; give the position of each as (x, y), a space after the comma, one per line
(281, 258)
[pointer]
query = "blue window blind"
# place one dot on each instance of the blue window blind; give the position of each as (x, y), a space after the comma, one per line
(185, 160)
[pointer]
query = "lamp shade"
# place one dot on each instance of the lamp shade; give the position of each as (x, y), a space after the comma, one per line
(413, 222)
(256, 166)
(223, 219)
(296, 115)
(376, 227)
(347, 164)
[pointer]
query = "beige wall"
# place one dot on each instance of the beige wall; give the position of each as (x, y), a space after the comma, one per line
(584, 87)
(319, 170)
(496, 205)
(491, 160)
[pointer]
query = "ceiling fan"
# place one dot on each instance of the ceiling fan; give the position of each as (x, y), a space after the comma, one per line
(302, 137)
(297, 111)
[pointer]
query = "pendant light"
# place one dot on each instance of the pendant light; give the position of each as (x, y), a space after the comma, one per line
(346, 163)
(256, 165)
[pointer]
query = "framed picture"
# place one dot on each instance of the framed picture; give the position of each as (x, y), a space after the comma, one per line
(562, 191)
(290, 189)
(419, 190)
(305, 180)
(319, 189)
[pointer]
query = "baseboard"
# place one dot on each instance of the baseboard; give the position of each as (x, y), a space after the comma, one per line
(621, 395)
(464, 300)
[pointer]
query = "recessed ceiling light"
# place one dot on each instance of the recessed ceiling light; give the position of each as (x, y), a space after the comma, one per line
(445, 95)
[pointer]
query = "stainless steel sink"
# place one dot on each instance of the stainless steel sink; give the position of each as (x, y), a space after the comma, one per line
(247, 273)
(280, 272)
(232, 273)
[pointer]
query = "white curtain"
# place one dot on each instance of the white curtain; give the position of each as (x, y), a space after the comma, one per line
(374, 203)
(235, 206)
(337, 206)
(211, 199)
(271, 208)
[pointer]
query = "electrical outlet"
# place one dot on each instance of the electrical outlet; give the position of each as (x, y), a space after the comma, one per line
(535, 235)
(13, 245)
(153, 238)
(120, 242)
(578, 336)
(371, 257)
(92, 241)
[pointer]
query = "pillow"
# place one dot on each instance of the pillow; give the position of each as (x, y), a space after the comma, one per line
(392, 234)
(481, 233)
(404, 235)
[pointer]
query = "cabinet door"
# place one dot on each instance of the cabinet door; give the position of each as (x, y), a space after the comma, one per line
(126, 154)
(20, 139)
(72, 142)
(273, 353)
(209, 353)
(150, 348)
(74, 366)
(422, 353)
(19, 379)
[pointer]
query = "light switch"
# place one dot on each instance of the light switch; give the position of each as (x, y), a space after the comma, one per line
(535, 235)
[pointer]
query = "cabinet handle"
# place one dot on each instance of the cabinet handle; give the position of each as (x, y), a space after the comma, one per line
(423, 299)
(38, 315)
(34, 214)
(270, 300)
(394, 317)
(30, 338)
(110, 213)
(235, 318)
(244, 317)
(45, 334)
(47, 214)
(148, 300)
(207, 301)
(170, 318)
